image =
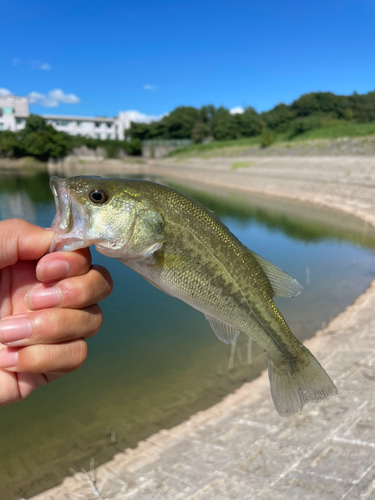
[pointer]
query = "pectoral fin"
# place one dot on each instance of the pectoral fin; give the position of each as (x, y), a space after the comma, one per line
(147, 235)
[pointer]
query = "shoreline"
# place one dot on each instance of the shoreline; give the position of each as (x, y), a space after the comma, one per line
(263, 172)
(250, 409)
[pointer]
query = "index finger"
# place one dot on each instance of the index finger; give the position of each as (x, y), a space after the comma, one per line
(21, 240)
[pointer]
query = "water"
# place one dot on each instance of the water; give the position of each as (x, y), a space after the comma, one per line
(156, 361)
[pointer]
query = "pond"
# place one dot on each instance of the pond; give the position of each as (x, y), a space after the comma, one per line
(156, 361)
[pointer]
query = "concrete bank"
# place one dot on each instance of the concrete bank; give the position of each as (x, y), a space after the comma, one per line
(240, 448)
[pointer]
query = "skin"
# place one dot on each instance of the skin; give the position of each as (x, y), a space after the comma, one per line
(60, 323)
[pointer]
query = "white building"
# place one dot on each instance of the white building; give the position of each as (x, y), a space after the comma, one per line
(97, 128)
(14, 111)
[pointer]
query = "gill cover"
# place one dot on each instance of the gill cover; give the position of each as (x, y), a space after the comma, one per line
(145, 236)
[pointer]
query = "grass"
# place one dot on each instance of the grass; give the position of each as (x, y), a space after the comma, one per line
(214, 145)
(238, 146)
(241, 164)
(348, 130)
(133, 159)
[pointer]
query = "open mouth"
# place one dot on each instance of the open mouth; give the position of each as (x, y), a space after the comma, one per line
(68, 222)
(61, 194)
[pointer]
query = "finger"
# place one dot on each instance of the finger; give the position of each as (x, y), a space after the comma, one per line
(28, 382)
(72, 293)
(9, 392)
(44, 358)
(59, 265)
(50, 326)
(21, 240)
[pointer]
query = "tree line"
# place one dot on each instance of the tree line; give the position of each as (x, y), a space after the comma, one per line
(42, 141)
(310, 111)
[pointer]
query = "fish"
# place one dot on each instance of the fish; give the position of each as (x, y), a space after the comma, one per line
(181, 247)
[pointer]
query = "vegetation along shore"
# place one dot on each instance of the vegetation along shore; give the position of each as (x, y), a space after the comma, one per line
(317, 115)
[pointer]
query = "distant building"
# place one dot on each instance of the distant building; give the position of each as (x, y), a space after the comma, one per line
(97, 128)
(14, 110)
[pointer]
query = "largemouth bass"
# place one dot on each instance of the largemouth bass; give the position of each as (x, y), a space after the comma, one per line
(182, 248)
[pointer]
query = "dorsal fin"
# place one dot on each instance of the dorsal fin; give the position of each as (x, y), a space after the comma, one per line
(226, 333)
(282, 284)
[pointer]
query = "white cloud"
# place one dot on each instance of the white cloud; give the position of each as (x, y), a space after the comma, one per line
(36, 98)
(35, 64)
(5, 92)
(149, 87)
(59, 95)
(236, 111)
(45, 66)
(133, 115)
(53, 98)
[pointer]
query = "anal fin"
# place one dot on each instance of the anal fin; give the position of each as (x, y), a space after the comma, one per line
(224, 332)
(250, 351)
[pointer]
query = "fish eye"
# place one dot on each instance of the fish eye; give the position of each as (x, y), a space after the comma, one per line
(98, 196)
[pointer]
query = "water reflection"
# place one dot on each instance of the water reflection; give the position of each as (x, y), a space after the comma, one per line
(156, 360)
(296, 220)
(35, 185)
(17, 205)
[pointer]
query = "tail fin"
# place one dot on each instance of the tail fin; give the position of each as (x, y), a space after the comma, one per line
(294, 384)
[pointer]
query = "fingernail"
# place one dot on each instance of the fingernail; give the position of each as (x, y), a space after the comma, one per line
(14, 329)
(42, 298)
(52, 271)
(8, 359)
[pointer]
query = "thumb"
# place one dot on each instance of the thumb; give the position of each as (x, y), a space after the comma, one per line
(20, 240)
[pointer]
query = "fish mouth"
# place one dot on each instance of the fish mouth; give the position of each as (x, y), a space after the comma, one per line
(68, 224)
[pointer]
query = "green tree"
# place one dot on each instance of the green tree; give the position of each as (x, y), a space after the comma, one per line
(315, 103)
(363, 107)
(10, 145)
(44, 144)
(249, 123)
(139, 131)
(278, 118)
(42, 141)
(207, 112)
(267, 138)
(35, 123)
(225, 126)
(180, 122)
(200, 132)
(134, 147)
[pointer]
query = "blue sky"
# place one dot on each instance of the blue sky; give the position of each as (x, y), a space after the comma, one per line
(153, 56)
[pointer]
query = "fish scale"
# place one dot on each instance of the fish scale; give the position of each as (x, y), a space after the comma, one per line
(182, 248)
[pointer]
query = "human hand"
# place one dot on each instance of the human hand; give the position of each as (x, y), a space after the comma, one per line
(48, 307)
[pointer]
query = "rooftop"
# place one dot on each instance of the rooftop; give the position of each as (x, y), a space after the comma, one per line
(78, 118)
